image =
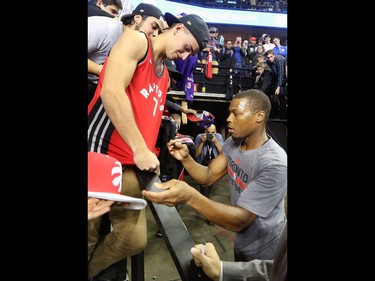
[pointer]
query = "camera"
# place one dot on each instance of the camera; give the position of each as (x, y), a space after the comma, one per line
(209, 136)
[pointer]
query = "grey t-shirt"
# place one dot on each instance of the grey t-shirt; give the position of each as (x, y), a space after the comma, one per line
(103, 33)
(258, 183)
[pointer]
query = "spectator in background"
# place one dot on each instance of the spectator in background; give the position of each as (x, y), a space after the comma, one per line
(264, 80)
(107, 8)
(103, 33)
(245, 58)
(279, 49)
(257, 59)
(261, 39)
(277, 7)
(208, 145)
(237, 57)
(172, 106)
(213, 45)
(186, 68)
(186, 84)
(277, 66)
(260, 50)
(227, 60)
(267, 43)
(252, 48)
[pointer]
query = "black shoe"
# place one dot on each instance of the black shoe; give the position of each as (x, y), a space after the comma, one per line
(159, 234)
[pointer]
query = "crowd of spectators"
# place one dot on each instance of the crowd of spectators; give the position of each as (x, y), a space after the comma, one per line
(277, 6)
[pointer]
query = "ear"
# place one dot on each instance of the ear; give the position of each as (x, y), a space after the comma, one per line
(178, 27)
(260, 115)
(137, 19)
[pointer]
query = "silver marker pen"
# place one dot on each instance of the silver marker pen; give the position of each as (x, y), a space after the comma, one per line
(204, 247)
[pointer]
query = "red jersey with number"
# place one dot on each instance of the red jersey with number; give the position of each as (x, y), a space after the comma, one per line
(147, 93)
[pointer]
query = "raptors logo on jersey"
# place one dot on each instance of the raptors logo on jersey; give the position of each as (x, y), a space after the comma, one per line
(147, 94)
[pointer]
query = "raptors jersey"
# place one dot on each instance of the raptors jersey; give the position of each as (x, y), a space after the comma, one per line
(147, 93)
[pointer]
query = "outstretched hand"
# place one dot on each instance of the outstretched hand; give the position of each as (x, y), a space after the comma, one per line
(173, 192)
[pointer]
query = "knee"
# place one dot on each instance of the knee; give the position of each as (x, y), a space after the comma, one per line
(131, 244)
(139, 245)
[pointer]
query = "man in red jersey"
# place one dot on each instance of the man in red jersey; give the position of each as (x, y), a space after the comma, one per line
(124, 117)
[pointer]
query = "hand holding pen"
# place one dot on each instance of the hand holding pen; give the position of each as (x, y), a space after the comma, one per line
(205, 256)
(203, 249)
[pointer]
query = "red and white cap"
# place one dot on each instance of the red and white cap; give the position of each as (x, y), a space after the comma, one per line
(203, 118)
(105, 181)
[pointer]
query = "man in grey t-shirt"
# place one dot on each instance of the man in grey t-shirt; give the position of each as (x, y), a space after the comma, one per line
(257, 169)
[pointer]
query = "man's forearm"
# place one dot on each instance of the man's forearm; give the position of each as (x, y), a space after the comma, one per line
(197, 171)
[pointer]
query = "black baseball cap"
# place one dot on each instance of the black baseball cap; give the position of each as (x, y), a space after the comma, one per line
(146, 10)
(195, 24)
(176, 75)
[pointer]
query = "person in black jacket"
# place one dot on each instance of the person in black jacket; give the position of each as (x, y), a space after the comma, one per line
(277, 66)
(226, 58)
(264, 82)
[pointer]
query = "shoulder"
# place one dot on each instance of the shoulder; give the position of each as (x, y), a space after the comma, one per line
(230, 142)
(198, 137)
(135, 37)
(96, 23)
(272, 151)
(134, 42)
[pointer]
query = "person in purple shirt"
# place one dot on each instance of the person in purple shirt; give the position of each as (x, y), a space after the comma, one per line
(186, 68)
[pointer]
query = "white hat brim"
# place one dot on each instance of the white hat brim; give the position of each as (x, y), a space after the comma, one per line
(135, 203)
